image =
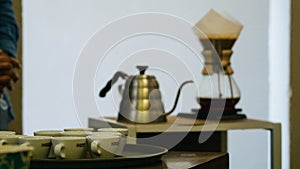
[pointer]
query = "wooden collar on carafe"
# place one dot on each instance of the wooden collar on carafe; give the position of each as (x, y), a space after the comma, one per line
(212, 62)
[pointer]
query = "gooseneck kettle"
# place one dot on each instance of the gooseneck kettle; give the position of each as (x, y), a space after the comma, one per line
(141, 98)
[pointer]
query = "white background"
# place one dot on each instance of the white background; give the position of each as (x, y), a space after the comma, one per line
(55, 32)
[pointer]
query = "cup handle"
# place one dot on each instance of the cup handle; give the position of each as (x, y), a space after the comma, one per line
(59, 150)
(95, 147)
(3, 142)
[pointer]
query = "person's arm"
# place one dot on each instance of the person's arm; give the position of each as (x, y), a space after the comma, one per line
(8, 45)
(8, 48)
(8, 28)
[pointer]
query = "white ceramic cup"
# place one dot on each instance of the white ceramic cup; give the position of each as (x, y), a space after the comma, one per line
(98, 133)
(9, 139)
(79, 129)
(75, 133)
(52, 133)
(41, 145)
(123, 138)
(104, 146)
(123, 131)
(69, 147)
(7, 132)
(108, 133)
(14, 156)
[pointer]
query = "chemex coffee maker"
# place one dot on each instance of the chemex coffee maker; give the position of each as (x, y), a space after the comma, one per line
(219, 92)
(141, 98)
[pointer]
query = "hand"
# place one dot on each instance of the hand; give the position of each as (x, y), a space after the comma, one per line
(8, 75)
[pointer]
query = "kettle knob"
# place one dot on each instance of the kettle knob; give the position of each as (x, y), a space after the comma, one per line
(142, 69)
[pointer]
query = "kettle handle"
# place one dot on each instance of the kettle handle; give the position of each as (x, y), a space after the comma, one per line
(108, 85)
(177, 97)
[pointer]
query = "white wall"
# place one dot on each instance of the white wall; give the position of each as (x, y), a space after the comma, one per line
(279, 78)
(55, 32)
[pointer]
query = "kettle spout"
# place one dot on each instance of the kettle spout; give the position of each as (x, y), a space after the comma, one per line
(177, 97)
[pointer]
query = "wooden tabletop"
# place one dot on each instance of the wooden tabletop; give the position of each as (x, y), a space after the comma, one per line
(188, 124)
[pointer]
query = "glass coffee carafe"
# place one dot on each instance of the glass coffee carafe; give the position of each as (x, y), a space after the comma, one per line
(219, 92)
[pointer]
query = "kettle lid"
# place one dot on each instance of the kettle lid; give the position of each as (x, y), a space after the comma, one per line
(142, 69)
(143, 80)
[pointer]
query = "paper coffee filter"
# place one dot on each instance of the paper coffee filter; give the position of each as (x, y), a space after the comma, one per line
(216, 26)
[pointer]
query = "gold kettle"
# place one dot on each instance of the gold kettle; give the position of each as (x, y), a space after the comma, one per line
(141, 98)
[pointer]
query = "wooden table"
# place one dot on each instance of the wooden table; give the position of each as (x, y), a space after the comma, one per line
(178, 125)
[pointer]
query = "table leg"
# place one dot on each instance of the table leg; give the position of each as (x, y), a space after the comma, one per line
(132, 135)
(276, 146)
(224, 142)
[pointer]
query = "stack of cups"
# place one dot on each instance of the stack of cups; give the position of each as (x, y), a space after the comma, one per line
(70, 143)
(67, 144)
(41, 144)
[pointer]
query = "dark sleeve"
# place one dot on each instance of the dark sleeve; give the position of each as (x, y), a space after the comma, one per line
(8, 28)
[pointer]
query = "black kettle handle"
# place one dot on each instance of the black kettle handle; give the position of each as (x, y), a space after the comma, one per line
(108, 85)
